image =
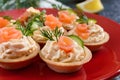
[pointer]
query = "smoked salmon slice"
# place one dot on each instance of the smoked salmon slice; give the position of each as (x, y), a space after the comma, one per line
(82, 31)
(65, 43)
(8, 33)
(3, 22)
(52, 22)
(66, 17)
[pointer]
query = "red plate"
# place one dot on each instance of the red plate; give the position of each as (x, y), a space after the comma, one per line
(104, 64)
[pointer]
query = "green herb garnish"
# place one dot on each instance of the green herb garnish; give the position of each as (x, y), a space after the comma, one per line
(7, 17)
(33, 23)
(48, 34)
(57, 33)
(84, 19)
(37, 19)
(51, 34)
(25, 30)
(19, 26)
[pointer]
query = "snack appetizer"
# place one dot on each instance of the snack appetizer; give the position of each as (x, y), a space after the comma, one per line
(86, 28)
(91, 33)
(33, 20)
(68, 19)
(36, 21)
(16, 50)
(64, 54)
(51, 23)
(67, 16)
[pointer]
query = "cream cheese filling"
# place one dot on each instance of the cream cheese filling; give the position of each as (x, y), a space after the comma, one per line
(52, 52)
(96, 34)
(17, 48)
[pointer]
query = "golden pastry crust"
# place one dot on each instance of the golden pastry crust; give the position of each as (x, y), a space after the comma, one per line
(68, 67)
(97, 37)
(20, 62)
(94, 46)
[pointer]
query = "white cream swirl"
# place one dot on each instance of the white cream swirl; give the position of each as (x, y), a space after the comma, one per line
(37, 35)
(52, 52)
(17, 48)
(69, 26)
(96, 34)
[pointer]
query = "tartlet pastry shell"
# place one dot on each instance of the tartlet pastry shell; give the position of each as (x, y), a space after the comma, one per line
(19, 62)
(67, 67)
(95, 46)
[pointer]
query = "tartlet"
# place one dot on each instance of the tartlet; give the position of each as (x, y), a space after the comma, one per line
(68, 19)
(95, 36)
(96, 45)
(86, 28)
(67, 67)
(67, 60)
(16, 50)
(32, 19)
(37, 21)
(20, 59)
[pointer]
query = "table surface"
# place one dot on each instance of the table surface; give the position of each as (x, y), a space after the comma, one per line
(111, 10)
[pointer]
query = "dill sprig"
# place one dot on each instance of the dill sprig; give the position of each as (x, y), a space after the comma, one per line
(37, 19)
(42, 16)
(19, 26)
(48, 34)
(33, 23)
(25, 30)
(8, 17)
(84, 19)
(51, 34)
(57, 33)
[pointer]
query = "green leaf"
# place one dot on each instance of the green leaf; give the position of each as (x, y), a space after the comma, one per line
(39, 19)
(20, 27)
(48, 34)
(57, 33)
(84, 19)
(7, 17)
(25, 30)
(32, 24)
